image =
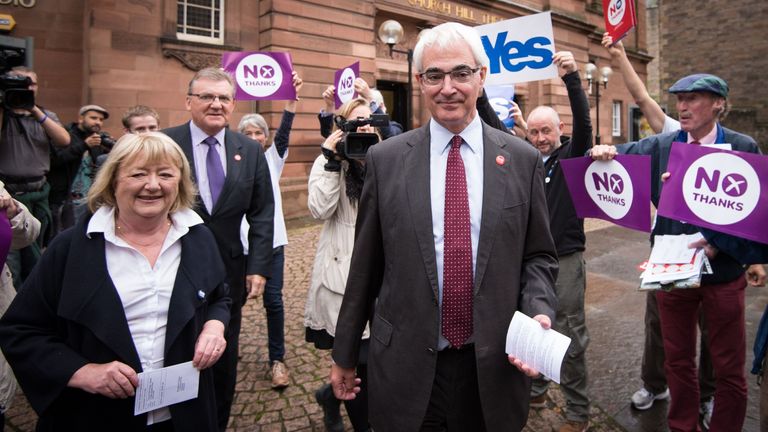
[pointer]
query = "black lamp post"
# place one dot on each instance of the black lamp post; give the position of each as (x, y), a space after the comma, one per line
(605, 73)
(391, 33)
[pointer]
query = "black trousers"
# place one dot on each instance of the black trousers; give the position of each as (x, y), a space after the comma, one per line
(225, 370)
(454, 405)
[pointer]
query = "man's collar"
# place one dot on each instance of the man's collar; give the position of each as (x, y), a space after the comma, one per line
(198, 135)
(472, 135)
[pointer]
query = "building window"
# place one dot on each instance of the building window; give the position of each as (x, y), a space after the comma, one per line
(200, 21)
(616, 119)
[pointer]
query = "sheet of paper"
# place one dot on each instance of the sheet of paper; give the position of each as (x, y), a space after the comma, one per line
(666, 273)
(673, 249)
(167, 386)
(542, 349)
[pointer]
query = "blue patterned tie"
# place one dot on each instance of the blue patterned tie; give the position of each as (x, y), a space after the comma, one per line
(457, 252)
(215, 169)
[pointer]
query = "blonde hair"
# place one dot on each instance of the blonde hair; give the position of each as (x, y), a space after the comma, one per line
(349, 106)
(152, 147)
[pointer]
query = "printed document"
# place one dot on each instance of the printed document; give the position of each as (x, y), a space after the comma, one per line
(541, 349)
(162, 387)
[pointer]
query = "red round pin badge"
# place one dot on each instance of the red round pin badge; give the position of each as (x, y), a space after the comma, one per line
(500, 160)
(237, 157)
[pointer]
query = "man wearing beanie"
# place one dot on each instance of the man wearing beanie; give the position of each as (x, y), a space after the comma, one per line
(702, 101)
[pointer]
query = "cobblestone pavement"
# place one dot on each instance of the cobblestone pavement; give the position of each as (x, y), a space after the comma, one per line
(259, 408)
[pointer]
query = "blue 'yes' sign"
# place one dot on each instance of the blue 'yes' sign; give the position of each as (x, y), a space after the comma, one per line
(519, 49)
(514, 55)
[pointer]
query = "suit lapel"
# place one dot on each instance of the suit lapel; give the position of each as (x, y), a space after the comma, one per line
(495, 179)
(96, 304)
(416, 163)
(190, 290)
(235, 160)
(183, 137)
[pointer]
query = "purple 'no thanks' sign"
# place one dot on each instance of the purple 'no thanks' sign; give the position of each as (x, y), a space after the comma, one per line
(260, 75)
(724, 190)
(618, 191)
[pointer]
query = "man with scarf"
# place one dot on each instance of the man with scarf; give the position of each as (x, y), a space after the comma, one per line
(701, 102)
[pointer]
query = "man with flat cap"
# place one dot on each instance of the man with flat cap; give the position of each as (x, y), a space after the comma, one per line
(78, 160)
(702, 101)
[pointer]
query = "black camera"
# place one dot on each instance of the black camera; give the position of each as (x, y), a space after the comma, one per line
(107, 141)
(14, 90)
(354, 145)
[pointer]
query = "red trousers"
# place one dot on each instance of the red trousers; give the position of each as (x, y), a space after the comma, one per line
(723, 307)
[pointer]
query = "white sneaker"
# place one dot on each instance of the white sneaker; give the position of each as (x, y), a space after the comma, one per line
(705, 411)
(643, 399)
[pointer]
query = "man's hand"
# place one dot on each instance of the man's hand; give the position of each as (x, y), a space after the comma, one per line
(546, 323)
(756, 275)
(709, 250)
(614, 50)
(255, 285)
(345, 384)
(565, 62)
(114, 380)
(94, 140)
(603, 152)
(362, 88)
(8, 205)
(330, 103)
(210, 345)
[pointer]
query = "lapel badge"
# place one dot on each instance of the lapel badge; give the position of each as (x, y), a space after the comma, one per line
(201, 294)
(238, 157)
(500, 160)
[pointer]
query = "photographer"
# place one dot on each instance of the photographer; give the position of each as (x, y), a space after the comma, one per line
(73, 167)
(335, 185)
(28, 133)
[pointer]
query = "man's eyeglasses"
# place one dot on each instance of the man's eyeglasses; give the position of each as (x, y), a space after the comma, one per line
(461, 74)
(209, 98)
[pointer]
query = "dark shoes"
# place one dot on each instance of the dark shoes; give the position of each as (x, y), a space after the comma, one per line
(331, 408)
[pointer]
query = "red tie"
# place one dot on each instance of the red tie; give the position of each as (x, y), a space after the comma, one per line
(457, 252)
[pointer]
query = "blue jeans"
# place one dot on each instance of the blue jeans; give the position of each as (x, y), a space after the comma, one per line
(273, 303)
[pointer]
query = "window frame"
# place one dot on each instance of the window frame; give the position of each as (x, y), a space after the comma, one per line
(198, 38)
(616, 118)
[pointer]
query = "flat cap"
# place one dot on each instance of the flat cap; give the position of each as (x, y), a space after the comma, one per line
(701, 82)
(96, 108)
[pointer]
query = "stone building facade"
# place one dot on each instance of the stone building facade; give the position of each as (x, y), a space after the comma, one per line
(121, 53)
(727, 38)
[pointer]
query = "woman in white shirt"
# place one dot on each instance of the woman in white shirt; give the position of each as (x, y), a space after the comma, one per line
(137, 286)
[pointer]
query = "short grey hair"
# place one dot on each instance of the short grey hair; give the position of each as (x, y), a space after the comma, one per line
(549, 112)
(448, 35)
(256, 120)
(212, 74)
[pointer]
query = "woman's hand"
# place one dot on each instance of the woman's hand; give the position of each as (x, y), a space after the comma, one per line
(115, 380)
(330, 103)
(332, 140)
(210, 345)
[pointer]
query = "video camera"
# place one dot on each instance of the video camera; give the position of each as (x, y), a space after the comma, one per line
(354, 145)
(14, 90)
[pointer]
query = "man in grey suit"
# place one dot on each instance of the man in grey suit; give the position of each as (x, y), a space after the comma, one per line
(232, 175)
(444, 255)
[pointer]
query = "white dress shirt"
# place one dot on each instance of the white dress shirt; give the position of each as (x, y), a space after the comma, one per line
(472, 155)
(145, 291)
(200, 152)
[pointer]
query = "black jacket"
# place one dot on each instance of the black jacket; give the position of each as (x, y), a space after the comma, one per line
(568, 230)
(65, 162)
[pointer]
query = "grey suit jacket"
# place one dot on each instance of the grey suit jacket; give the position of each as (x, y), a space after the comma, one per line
(247, 191)
(393, 279)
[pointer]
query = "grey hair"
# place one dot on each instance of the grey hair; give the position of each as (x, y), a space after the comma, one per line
(256, 120)
(448, 35)
(212, 74)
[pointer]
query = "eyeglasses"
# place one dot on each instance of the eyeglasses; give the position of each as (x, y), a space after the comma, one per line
(209, 98)
(461, 74)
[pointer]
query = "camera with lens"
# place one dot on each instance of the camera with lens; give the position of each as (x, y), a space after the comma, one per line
(106, 140)
(14, 90)
(354, 145)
